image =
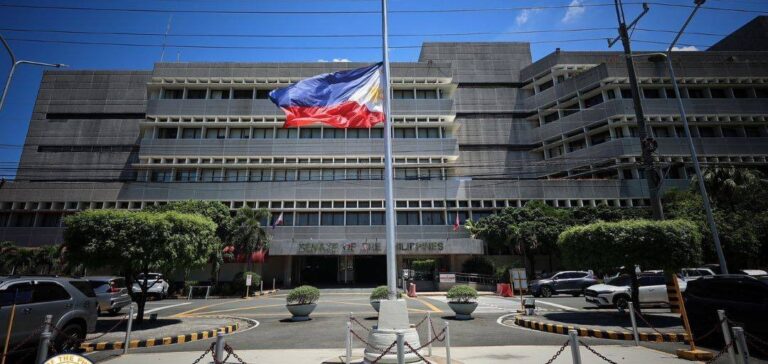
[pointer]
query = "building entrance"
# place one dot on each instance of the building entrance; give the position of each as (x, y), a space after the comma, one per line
(319, 270)
(371, 269)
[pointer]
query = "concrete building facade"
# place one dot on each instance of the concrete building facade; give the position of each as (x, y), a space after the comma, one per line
(478, 127)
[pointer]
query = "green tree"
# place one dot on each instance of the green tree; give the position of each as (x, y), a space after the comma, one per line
(218, 213)
(603, 246)
(7, 250)
(139, 243)
(248, 234)
(47, 258)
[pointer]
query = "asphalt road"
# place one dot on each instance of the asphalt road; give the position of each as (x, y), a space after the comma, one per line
(274, 330)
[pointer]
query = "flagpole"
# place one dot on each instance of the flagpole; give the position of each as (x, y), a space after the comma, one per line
(388, 180)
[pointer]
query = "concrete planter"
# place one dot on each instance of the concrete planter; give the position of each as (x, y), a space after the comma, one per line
(463, 311)
(301, 312)
(376, 304)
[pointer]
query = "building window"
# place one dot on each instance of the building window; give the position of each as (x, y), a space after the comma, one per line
(741, 93)
(405, 133)
(162, 176)
(752, 131)
(173, 94)
(652, 93)
(594, 100)
(730, 132)
(429, 133)
(196, 94)
(378, 218)
(626, 93)
(706, 132)
(661, 132)
(333, 133)
(259, 175)
(191, 133)
(167, 133)
(408, 218)
(551, 117)
(463, 217)
(239, 133)
(432, 218)
(211, 175)
(307, 219)
(262, 94)
(358, 218)
(402, 94)
(761, 93)
(242, 94)
(237, 175)
(600, 138)
(219, 94)
(281, 175)
(310, 175)
(576, 145)
(377, 133)
(215, 133)
(426, 94)
(611, 94)
(357, 133)
(186, 175)
(332, 219)
(696, 93)
(263, 133)
(309, 133)
(546, 85)
(718, 93)
(284, 133)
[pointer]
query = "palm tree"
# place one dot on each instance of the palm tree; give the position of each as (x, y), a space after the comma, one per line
(46, 257)
(249, 235)
(725, 183)
(7, 251)
(22, 262)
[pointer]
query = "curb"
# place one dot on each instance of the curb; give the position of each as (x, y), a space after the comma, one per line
(168, 340)
(601, 334)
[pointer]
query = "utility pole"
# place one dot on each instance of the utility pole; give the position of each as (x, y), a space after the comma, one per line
(647, 142)
(15, 63)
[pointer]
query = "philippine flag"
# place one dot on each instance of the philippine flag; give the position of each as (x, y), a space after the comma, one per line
(278, 221)
(345, 99)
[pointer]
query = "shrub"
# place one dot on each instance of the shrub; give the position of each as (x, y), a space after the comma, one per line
(303, 295)
(479, 265)
(426, 265)
(382, 293)
(461, 294)
(239, 282)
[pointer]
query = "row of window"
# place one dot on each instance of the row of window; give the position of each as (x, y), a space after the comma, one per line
(120, 148)
(281, 175)
(300, 133)
(258, 93)
(291, 161)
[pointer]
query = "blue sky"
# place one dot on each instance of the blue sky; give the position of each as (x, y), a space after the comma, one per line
(14, 118)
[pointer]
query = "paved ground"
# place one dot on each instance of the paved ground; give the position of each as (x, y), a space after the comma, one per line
(274, 331)
(113, 328)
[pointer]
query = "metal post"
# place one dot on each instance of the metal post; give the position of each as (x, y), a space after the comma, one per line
(429, 334)
(128, 329)
(349, 343)
(447, 343)
(634, 323)
(189, 295)
(574, 340)
(45, 340)
(273, 286)
(726, 335)
(400, 347)
(207, 292)
(261, 288)
(218, 351)
(741, 344)
(389, 199)
(14, 63)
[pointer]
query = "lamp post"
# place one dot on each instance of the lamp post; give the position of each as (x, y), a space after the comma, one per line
(16, 62)
(694, 157)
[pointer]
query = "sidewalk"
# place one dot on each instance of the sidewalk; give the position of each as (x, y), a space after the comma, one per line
(466, 355)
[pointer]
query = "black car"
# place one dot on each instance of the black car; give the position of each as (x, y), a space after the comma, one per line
(571, 282)
(744, 299)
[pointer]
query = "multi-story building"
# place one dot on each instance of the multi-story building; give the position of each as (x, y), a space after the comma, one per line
(477, 126)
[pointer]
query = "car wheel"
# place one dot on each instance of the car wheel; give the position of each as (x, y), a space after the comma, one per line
(546, 291)
(115, 311)
(576, 294)
(69, 338)
(622, 303)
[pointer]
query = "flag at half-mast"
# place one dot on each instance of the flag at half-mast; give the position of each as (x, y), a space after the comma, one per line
(345, 99)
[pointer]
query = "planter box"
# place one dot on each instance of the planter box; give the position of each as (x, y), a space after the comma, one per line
(463, 310)
(301, 312)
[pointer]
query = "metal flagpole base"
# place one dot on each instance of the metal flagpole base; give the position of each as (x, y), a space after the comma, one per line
(393, 318)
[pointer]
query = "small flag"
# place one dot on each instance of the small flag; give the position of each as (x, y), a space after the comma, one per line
(456, 223)
(344, 99)
(278, 221)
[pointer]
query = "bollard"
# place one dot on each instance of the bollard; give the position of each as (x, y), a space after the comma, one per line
(574, 339)
(261, 288)
(634, 323)
(349, 343)
(218, 351)
(741, 344)
(429, 334)
(400, 347)
(447, 343)
(128, 329)
(273, 286)
(726, 335)
(45, 340)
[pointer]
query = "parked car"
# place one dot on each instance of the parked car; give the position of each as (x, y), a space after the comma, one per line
(71, 302)
(571, 282)
(158, 287)
(743, 298)
(111, 293)
(752, 272)
(695, 273)
(617, 292)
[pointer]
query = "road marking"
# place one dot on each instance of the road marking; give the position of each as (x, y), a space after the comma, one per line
(429, 305)
(164, 307)
(501, 318)
(346, 303)
(566, 308)
(237, 309)
(204, 307)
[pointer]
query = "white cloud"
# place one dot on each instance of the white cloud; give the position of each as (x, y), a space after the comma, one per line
(524, 16)
(575, 10)
(334, 60)
(685, 49)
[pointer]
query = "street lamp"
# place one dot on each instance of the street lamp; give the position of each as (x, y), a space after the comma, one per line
(657, 57)
(14, 63)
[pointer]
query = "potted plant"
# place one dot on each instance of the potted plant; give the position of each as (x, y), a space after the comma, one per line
(301, 302)
(381, 293)
(463, 301)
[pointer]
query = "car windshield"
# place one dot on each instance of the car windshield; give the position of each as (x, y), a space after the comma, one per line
(621, 281)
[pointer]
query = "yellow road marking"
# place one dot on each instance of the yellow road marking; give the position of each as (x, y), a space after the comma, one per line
(237, 309)
(204, 307)
(429, 305)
